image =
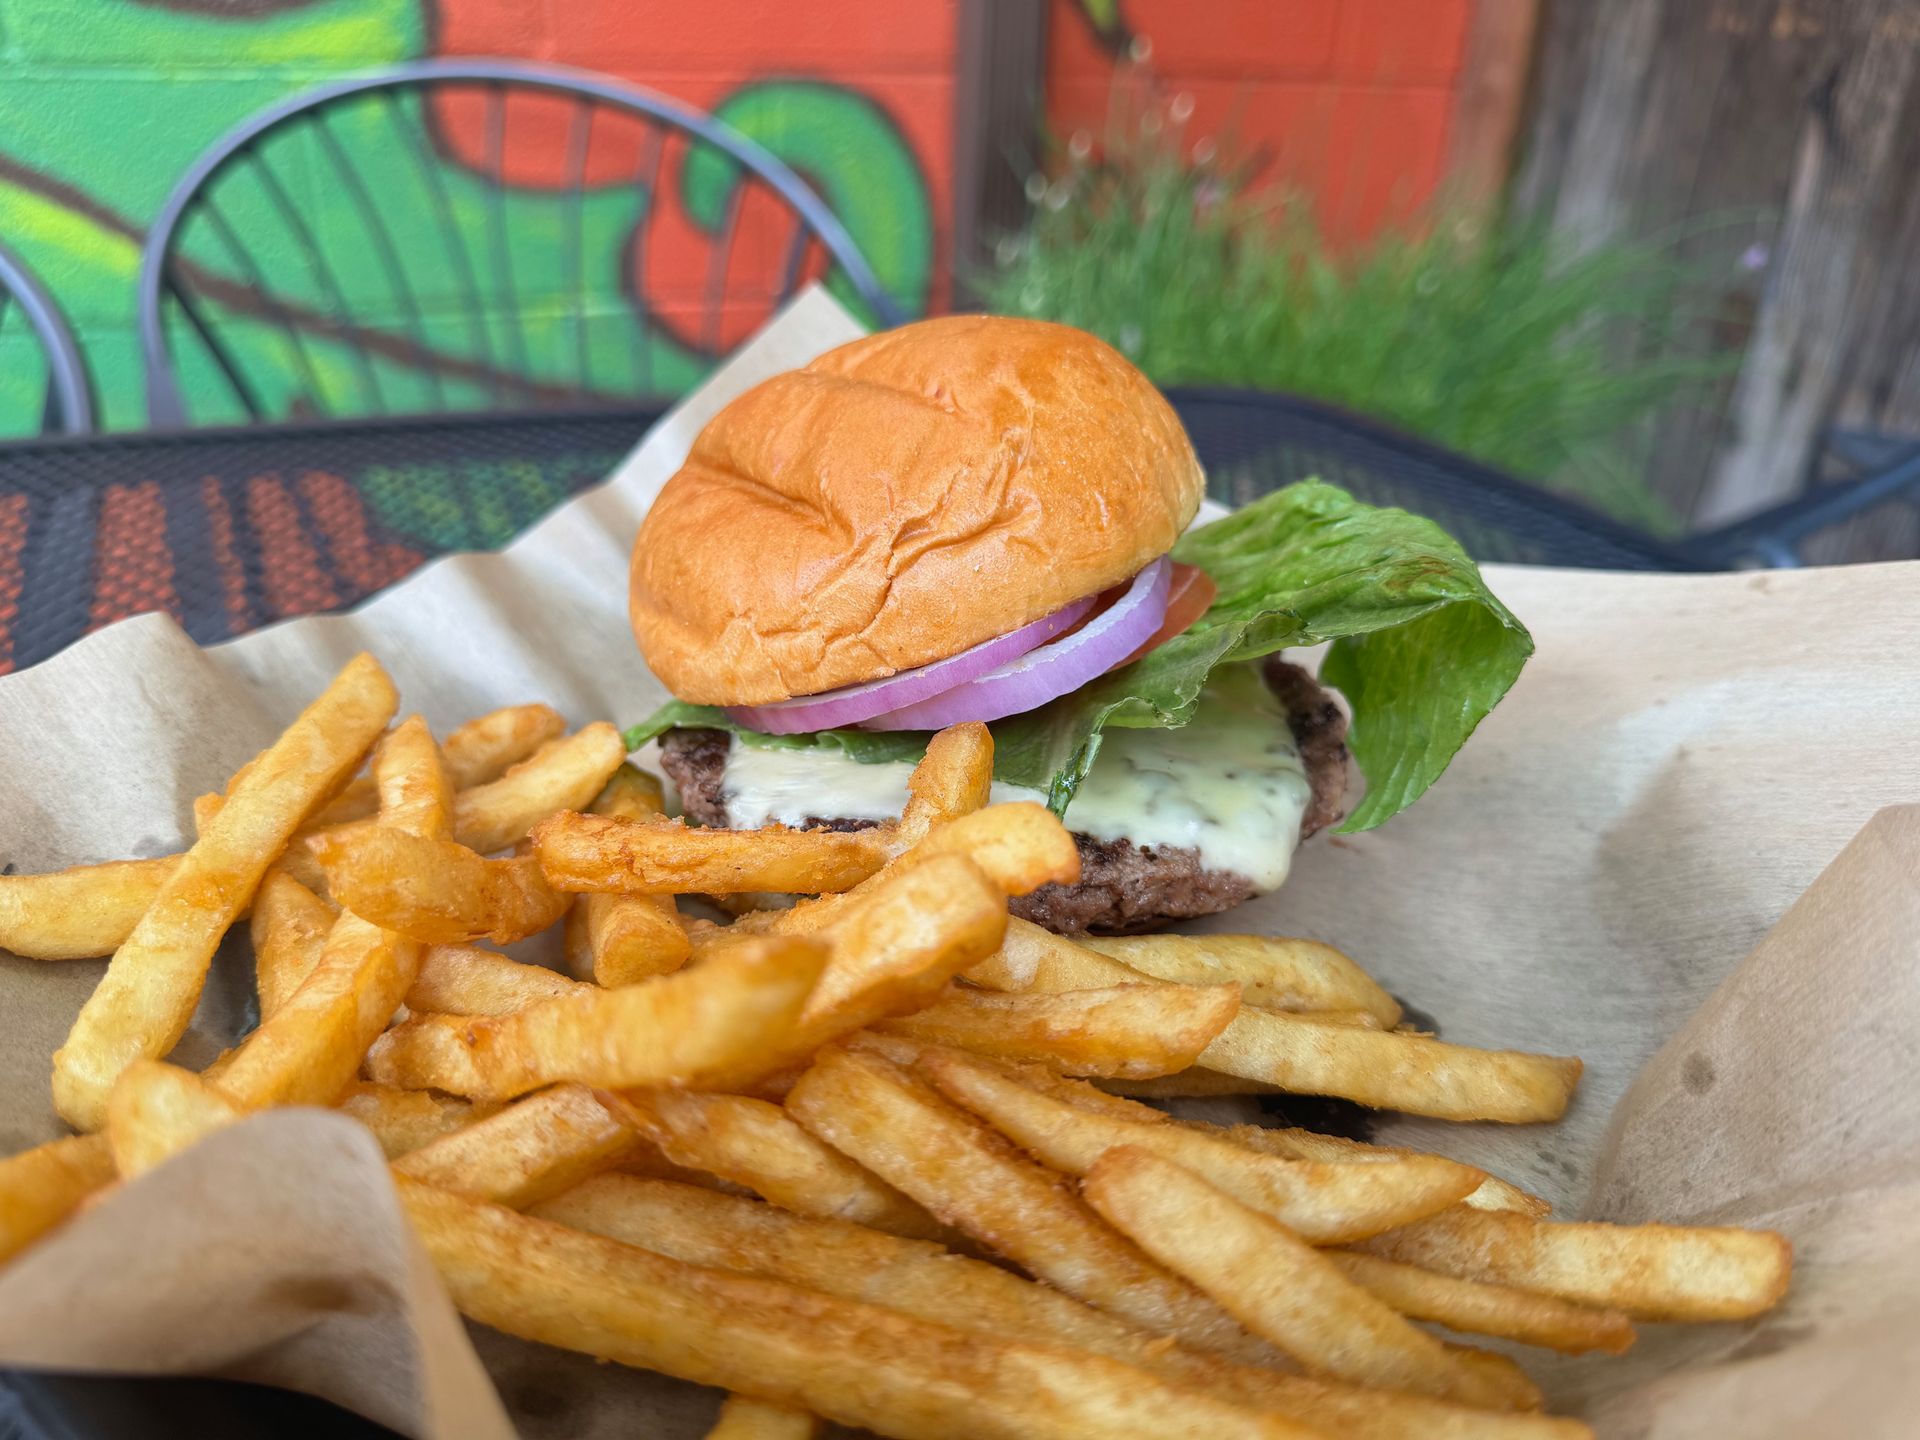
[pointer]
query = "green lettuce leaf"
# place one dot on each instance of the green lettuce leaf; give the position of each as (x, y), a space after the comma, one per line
(1420, 648)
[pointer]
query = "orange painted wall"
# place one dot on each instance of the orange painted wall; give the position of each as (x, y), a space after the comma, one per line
(1349, 99)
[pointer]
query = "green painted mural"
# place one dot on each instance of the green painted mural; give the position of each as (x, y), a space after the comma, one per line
(104, 103)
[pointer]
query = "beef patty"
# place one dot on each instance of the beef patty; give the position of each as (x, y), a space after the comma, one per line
(1123, 887)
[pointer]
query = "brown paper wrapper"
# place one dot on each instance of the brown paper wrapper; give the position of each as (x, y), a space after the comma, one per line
(1657, 799)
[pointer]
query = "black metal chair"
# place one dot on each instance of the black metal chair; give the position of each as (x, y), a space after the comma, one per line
(1252, 442)
(67, 405)
(541, 273)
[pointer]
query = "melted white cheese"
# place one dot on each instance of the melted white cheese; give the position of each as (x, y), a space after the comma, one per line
(1229, 784)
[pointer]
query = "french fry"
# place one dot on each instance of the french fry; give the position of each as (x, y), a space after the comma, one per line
(1493, 1193)
(761, 1147)
(855, 1364)
(1651, 1272)
(1381, 1068)
(665, 857)
(41, 1187)
(625, 938)
(1272, 1281)
(901, 942)
(892, 949)
(437, 892)
(79, 913)
(1394, 1071)
(307, 1051)
(485, 747)
(1325, 1203)
(908, 1054)
(289, 927)
(1271, 971)
(157, 1110)
(563, 774)
(1020, 845)
(143, 1003)
(460, 980)
(971, 1178)
(474, 753)
(923, 1280)
(1483, 1309)
(742, 1418)
(699, 1028)
(954, 778)
(416, 795)
(404, 1120)
(534, 1148)
(1129, 1030)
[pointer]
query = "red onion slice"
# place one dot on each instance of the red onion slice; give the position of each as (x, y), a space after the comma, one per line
(854, 703)
(1051, 670)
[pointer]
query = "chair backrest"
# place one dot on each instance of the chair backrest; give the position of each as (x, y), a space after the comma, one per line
(1252, 442)
(459, 234)
(66, 402)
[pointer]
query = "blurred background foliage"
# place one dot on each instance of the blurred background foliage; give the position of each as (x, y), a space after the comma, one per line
(1471, 327)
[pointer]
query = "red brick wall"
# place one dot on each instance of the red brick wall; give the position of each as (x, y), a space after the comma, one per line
(1348, 99)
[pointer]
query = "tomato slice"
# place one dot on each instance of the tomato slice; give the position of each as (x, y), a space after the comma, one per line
(1190, 597)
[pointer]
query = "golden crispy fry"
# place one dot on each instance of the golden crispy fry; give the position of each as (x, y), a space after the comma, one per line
(1651, 1272)
(484, 747)
(664, 857)
(562, 775)
(79, 913)
(143, 1003)
(1032, 959)
(624, 938)
(917, 1278)
(1130, 1030)
(157, 1110)
(460, 980)
(1272, 971)
(1326, 1203)
(416, 794)
(404, 1120)
(1083, 1093)
(436, 892)
(1020, 845)
(1483, 1309)
(1493, 1193)
(745, 1419)
(1296, 1053)
(702, 1027)
(899, 944)
(474, 753)
(41, 1187)
(1272, 1281)
(289, 927)
(970, 1178)
(954, 778)
(761, 1147)
(534, 1148)
(1394, 1071)
(856, 1364)
(308, 1050)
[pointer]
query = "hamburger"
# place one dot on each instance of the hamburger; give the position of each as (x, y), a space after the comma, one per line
(979, 518)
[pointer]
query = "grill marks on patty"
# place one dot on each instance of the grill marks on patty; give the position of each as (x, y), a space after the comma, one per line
(1123, 887)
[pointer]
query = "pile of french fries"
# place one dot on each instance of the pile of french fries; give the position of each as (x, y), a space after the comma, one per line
(876, 1158)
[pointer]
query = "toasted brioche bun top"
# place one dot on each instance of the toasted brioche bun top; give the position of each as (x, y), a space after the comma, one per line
(900, 499)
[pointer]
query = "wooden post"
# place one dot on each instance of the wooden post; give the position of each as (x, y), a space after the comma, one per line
(996, 120)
